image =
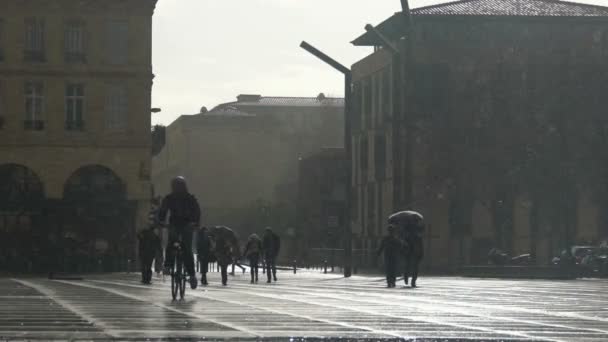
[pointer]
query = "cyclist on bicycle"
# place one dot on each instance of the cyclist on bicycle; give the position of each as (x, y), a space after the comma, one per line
(185, 215)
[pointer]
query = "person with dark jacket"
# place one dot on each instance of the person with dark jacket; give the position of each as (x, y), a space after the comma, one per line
(393, 248)
(226, 249)
(149, 245)
(252, 252)
(185, 215)
(414, 255)
(272, 246)
(204, 250)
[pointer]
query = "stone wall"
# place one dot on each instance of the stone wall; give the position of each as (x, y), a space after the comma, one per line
(504, 118)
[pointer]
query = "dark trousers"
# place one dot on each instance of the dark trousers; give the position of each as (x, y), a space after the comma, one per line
(254, 259)
(224, 270)
(390, 265)
(411, 269)
(186, 235)
(271, 268)
(236, 263)
(146, 267)
(158, 261)
(204, 268)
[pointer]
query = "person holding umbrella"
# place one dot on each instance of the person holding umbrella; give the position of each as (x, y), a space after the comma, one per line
(411, 225)
(226, 249)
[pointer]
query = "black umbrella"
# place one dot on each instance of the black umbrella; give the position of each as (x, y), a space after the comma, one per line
(222, 232)
(407, 220)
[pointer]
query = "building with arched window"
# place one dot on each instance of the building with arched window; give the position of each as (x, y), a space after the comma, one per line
(75, 87)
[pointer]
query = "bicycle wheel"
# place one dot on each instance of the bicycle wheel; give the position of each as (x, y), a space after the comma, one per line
(175, 281)
(182, 284)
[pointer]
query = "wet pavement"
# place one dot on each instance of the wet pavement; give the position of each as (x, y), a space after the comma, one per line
(306, 305)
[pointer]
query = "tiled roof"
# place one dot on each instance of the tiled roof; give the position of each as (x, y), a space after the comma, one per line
(533, 8)
(226, 110)
(291, 102)
(394, 26)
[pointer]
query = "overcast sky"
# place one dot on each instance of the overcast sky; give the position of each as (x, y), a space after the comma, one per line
(206, 52)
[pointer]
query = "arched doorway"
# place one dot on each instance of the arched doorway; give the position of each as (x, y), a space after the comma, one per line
(23, 231)
(97, 222)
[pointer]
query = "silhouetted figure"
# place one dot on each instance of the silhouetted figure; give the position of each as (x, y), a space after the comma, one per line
(253, 251)
(410, 225)
(226, 249)
(149, 245)
(185, 215)
(414, 255)
(392, 248)
(272, 246)
(204, 249)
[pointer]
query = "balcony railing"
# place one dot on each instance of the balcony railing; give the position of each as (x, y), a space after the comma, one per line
(75, 57)
(34, 56)
(74, 125)
(33, 125)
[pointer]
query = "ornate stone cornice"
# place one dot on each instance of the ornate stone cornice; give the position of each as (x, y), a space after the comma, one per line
(76, 73)
(128, 7)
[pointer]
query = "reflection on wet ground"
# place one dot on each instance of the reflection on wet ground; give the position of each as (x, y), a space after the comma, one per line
(305, 307)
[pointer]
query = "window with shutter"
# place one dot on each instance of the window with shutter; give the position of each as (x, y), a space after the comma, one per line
(2, 117)
(34, 40)
(74, 107)
(1, 40)
(116, 107)
(117, 42)
(34, 106)
(74, 42)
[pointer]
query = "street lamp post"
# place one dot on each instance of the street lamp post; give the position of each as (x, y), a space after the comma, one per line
(348, 240)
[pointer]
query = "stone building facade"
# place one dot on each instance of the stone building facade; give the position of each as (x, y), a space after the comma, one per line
(241, 158)
(321, 202)
(490, 121)
(75, 93)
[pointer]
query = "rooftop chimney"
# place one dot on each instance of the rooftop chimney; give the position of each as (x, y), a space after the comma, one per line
(248, 98)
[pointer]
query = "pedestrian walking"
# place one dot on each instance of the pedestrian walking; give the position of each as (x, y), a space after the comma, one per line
(204, 250)
(226, 249)
(149, 245)
(272, 246)
(253, 251)
(410, 225)
(414, 256)
(392, 248)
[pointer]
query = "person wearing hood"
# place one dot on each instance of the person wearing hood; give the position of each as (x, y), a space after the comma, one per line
(185, 215)
(253, 250)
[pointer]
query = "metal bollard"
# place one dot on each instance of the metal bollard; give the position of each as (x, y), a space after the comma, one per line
(295, 267)
(128, 266)
(325, 266)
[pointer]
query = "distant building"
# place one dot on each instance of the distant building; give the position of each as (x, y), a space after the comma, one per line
(241, 158)
(321, 199)
(75, 85)
(490, 121)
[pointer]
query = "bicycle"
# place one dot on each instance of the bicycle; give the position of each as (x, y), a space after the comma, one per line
(178, 272)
